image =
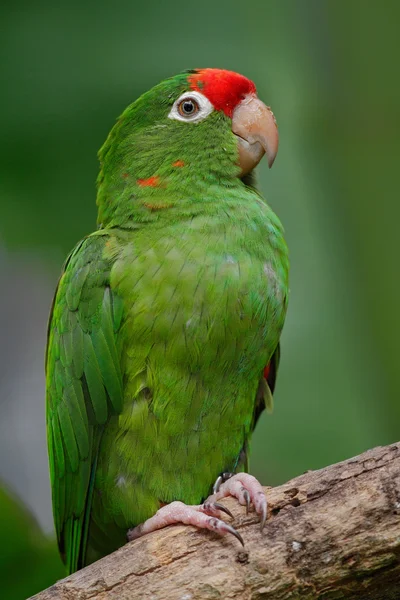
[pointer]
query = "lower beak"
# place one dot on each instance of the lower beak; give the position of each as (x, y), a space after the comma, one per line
(255, 127)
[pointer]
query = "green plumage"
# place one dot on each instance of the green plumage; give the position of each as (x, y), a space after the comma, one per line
(162, 324)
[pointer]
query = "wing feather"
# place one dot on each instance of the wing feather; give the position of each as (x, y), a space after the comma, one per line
(84, 387)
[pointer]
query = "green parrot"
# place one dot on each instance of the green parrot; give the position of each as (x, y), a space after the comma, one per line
(163, 339)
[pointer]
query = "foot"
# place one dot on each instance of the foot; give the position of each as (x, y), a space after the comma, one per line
(245, 488)
(204, 516)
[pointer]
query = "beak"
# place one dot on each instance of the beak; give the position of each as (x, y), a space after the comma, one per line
(255, 127)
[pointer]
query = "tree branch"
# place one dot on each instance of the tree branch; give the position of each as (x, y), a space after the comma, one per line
(330, 534)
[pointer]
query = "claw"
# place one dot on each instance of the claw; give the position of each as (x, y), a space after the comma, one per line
(223, 509)
(263, 516)
(233, 531)
(246, 489)
(221, 528)
(203, 516)
(217, 484)
(221, 479)
(246, 496)
(211, 508)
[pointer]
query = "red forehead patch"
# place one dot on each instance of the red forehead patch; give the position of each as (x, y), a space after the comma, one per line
(224, 89)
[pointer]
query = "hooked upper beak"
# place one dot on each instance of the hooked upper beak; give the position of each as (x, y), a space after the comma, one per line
(255, 127)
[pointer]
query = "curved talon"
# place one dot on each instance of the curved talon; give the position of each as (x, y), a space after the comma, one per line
(233, 531)
(217, 484)
(210, 507)
(263, 516)
(203, 516)
(221, 479)
(246, 496)
(246, 489)
(223, 509)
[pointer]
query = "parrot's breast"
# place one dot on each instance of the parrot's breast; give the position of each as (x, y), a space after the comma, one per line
(204, 307)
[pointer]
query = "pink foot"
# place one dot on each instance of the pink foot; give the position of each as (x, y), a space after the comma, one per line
(245, 488)
(204, 516)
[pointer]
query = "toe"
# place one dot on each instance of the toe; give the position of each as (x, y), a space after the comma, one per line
(223, 528)
(247, 490)
(205, 516)
(215, 508)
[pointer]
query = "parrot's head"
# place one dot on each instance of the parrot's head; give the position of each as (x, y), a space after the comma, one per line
(199, 128)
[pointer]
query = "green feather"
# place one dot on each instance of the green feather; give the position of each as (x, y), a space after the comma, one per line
(97, 392)
(78, 417)
(77, 336)
(77, 400)
(57, 446)
(68, 435)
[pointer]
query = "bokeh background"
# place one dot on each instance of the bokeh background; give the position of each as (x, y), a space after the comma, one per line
(330, 71)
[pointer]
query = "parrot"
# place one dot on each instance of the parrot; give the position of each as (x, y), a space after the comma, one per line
(163, 338)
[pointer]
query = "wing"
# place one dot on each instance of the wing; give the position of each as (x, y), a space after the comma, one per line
(263, 400)
(83, 387)
(266, 386)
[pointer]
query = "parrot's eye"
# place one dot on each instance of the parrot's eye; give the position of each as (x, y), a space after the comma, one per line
(188, 107)
(191, 107)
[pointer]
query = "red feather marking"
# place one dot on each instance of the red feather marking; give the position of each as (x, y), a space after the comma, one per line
(150, 182)
(267, 370)
(178, 163)
(153, 207)
(224, 89)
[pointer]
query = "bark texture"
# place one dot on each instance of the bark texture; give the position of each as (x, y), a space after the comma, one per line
(330, 534)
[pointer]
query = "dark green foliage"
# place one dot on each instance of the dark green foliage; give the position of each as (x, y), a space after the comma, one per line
(28, 561)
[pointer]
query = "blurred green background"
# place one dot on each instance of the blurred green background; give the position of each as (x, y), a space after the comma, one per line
(330, 71)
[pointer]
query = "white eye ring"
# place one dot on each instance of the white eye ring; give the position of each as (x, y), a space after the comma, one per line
(204, 108)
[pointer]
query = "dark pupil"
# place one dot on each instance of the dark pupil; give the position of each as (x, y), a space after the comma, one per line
(188, 107)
